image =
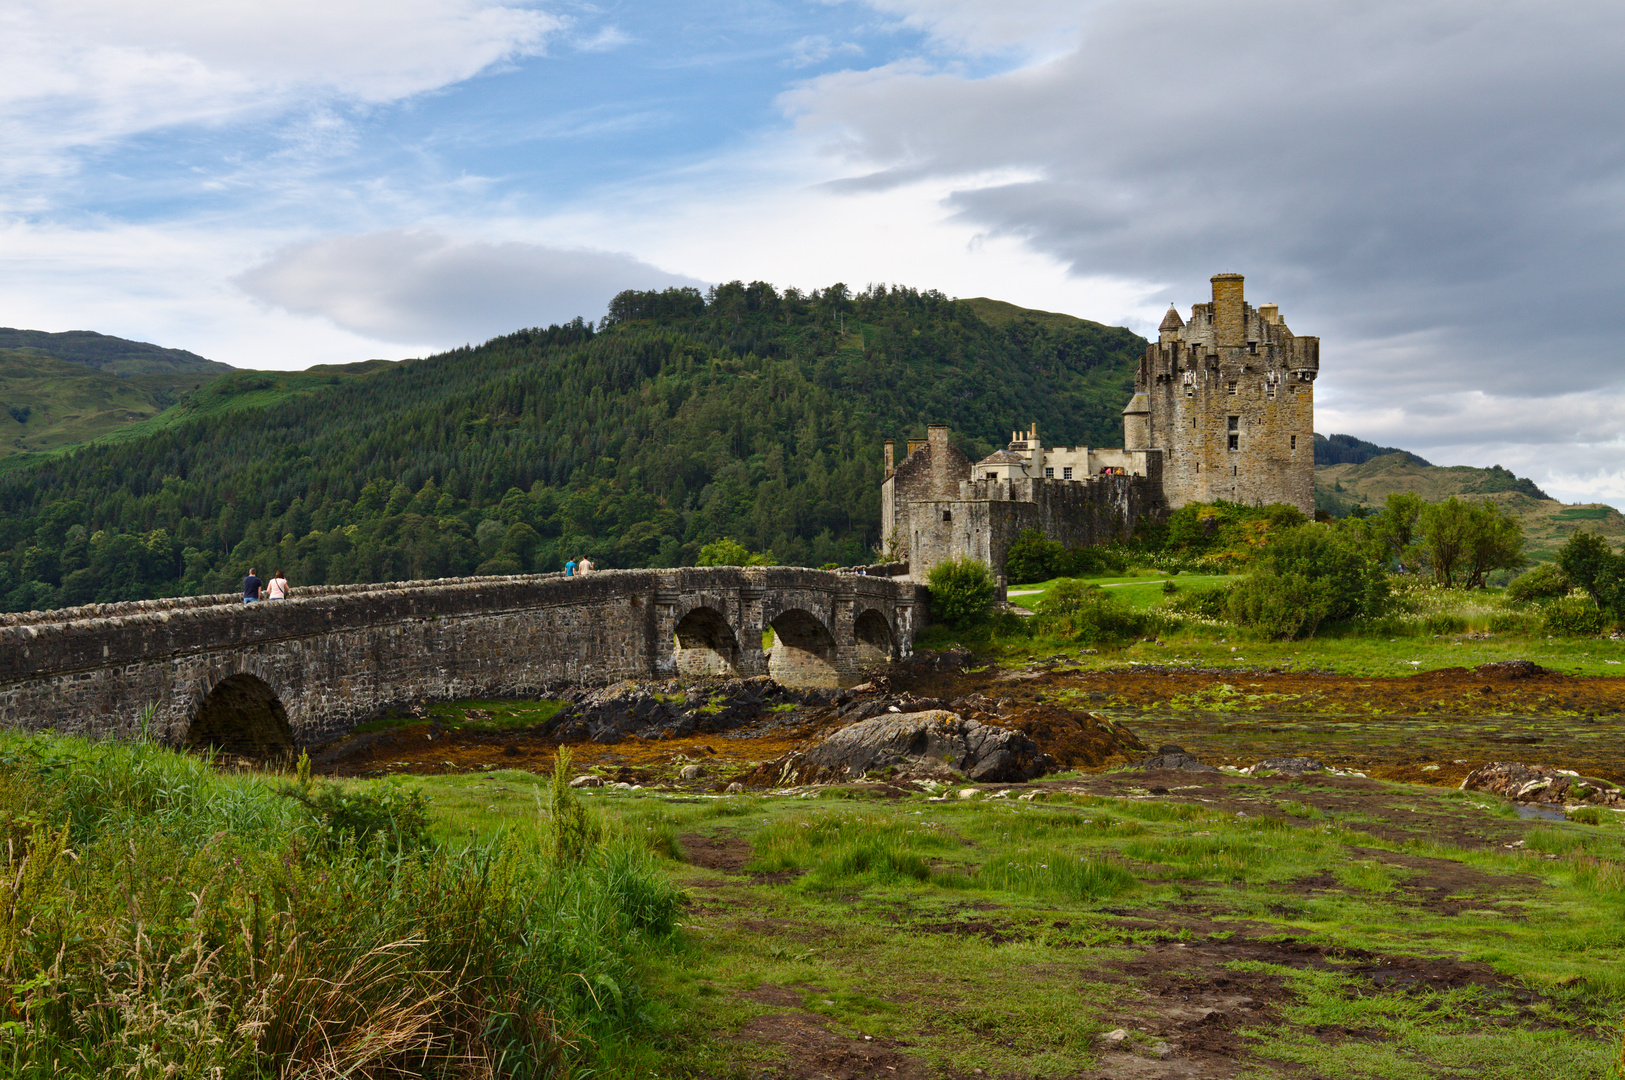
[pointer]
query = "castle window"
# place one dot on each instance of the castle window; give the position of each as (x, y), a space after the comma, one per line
(1190, 389)
(1066, 473)
(1232, 470)
(1049, 474)
(1294, 445)
(1234, 423)
(990, 476)
(1270, 392)
(947, 515)
(1231, 386)
(1252, 347)
(1235, 441)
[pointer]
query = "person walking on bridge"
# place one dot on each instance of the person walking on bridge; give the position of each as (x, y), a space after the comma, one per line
(277, 588)
(569, 568)
(251, 587)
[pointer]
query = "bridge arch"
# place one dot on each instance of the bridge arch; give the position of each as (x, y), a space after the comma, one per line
(241, 714)
(874, 637)
(706, 644)
(804, 652)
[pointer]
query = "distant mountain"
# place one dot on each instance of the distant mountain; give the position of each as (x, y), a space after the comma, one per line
(1344, 488)
(115, 355)
(59, 390)
(1347, 450)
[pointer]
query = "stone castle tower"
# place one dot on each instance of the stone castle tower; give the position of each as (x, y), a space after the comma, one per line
(1229, 399)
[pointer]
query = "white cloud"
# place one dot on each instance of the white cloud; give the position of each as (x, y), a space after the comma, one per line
(418, 285)
(816, 48)
(83, 72)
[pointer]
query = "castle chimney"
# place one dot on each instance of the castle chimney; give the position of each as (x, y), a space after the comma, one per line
(1229, 316)
(937, 436)
(891, 448)
(1270, 313)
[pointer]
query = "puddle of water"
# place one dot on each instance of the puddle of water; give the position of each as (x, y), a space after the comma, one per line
(1544, 813)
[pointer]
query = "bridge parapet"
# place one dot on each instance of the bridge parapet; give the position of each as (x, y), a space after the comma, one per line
(311, 667)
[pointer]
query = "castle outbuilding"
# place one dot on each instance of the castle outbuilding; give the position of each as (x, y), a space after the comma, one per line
(1223, 409)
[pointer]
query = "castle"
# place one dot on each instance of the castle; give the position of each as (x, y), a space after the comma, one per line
(1223, 408)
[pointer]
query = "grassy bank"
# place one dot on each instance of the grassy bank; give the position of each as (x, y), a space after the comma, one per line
(1424, 628)
(1343, 927)
(159, 918)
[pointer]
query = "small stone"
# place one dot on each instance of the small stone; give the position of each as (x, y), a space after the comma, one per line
(587, 780)
(1162, 1049)
(691, 772)
(1115, 1036)
(969, 793)
(735, 788)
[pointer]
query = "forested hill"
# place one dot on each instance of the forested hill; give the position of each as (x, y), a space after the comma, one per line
(744, 412)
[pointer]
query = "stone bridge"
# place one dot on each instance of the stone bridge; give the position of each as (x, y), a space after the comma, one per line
(270, 677)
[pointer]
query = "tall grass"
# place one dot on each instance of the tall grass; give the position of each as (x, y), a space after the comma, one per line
(159, 919)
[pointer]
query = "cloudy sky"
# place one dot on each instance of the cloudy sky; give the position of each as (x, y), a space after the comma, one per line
(1437, 189)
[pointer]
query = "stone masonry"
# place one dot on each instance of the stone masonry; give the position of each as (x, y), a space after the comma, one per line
(1223, 409)
(273, 676)
(1229, 399)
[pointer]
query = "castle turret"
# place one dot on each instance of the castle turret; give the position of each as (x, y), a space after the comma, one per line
(1137, 423)
(1229, 311)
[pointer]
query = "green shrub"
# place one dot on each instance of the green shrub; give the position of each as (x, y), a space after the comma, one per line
(1573, 615)
(961, 592)
(1032, 558)
(1089, 614)
(1278, 605)
(1208, 603)
(1514, 622)
(1307, 575)
(390, 815)
(1445, 623)
(1544, 582)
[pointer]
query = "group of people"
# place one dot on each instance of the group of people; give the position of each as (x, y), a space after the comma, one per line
(255, 590)
(572, 567)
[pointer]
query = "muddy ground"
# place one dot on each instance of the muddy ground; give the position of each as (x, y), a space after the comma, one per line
(1430, 728)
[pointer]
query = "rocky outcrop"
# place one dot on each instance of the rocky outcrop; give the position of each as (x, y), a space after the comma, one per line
(1541, 784)
(636, 710)
(1174, 757)
(935, 744)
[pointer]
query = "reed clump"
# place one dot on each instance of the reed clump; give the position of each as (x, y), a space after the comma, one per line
(158, 918)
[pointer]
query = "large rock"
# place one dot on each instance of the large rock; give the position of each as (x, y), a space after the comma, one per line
(931, 744)
(1541, 784)
(1174, 757)
(628, 709)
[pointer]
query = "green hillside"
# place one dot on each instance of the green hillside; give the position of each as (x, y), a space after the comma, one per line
(59, 390)
(1547, 523)
(47, 402)
(746, 412)
(114, 355)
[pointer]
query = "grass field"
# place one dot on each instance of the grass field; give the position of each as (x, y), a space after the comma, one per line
(1378, 931)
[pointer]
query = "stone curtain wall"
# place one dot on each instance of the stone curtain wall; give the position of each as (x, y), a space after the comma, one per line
(989, 515)
(331, 657)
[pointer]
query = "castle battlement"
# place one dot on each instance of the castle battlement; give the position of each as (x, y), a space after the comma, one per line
(1223, 408)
